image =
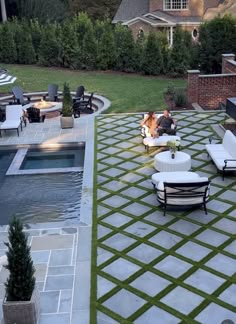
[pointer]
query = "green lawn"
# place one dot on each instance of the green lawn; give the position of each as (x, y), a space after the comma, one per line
(127, 92)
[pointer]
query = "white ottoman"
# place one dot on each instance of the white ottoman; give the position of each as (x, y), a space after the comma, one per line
(164, 163)
(160, 141)
(173, 176)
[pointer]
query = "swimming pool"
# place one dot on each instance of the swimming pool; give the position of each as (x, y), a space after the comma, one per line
(39, 198)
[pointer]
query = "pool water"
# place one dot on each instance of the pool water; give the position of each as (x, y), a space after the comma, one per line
(39, 198)
(47, 158)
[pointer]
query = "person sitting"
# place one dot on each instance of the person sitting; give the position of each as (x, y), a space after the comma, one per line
(150, 123)
(164, 124)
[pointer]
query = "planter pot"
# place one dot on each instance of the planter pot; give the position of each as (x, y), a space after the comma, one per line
(67, 122)
(22, 312)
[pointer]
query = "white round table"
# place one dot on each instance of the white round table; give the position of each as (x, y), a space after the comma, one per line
(164, 163)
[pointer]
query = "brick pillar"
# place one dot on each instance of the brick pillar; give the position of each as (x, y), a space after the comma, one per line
(225, 58)
(193, 76)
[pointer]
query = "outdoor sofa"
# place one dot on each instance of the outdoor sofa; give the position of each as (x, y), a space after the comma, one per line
(224, 154)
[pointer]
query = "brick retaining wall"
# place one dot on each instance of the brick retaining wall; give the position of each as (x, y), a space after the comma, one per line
(209, 90)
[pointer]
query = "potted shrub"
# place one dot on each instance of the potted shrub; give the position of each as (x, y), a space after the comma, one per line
(67, 120)
(21, 303)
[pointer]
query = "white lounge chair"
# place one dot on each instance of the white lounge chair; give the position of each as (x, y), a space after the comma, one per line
(14, 118)
(184, 193)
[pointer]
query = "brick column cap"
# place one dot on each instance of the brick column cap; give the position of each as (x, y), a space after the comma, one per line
(228, 55)
(193, 72)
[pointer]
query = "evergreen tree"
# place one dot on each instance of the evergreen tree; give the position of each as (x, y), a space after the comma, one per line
(8, 52)
(180, 54)
(87, 45)
(49, 46)
(125, 49)
(216, 37)
(69, 52)
(66, 101)
(106, 45)
(96, 9)
(21, 281)
(152, 61)
(26, 53)
(35, 30)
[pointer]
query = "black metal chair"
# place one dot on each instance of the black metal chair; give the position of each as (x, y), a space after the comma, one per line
(79, 94)
(2, 113)
(18, 96)
(83, 106)
(34, 115)
(52, 94)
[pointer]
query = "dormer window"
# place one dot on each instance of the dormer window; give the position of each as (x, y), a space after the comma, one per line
(175, 4)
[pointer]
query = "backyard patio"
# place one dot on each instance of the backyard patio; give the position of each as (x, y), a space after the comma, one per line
(146, 267)
(154, 269)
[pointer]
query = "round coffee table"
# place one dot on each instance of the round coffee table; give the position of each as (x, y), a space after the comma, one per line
(164, 162)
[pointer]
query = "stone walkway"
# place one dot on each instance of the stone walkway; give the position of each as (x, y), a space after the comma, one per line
(61, 251)
(153, 269)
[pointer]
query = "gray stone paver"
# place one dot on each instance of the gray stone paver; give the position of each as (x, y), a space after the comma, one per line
(173, 266)
(144, 253)
(140, 229)
(150, 284)
(205, 281)
(185, 302)
(159, 315)
(223, 264)
(119, 242)
(216, 313)
(124, 303)
(193, 251)
(165, 239)
(229, 295)
(212, 237)
(121, 269)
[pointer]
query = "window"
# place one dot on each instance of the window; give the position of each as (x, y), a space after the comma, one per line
(175, 4)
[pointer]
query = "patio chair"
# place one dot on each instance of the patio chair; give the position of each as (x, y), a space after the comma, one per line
(34, 115)
(79, 94)
(2, 113)
(188, 193)
(52, 94)
(18, 96)
(14, 118)
(83, 106)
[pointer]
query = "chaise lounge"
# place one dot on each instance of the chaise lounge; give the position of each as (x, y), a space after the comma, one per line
(14, 119)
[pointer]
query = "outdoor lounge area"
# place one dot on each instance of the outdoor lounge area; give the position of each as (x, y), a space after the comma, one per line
(146, 267)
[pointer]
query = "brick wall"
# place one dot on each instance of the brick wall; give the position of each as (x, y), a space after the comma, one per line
(215, 89)
(209, 90)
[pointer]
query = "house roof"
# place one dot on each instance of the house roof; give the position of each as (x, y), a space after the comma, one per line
(129, 9)
(158, 18)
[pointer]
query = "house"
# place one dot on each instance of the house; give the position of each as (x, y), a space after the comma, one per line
(142, 16)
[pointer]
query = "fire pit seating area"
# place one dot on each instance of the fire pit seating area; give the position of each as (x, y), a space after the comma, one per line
(224, 154)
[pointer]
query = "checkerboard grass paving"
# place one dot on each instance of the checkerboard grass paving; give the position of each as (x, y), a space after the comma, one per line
(148, 268)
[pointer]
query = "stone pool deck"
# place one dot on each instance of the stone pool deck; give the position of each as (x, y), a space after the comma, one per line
(146, 268)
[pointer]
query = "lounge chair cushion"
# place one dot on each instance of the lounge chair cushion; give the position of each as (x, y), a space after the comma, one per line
(173, 176)
(160, 141)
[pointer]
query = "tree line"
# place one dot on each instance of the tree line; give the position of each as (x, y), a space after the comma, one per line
(80, 43)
